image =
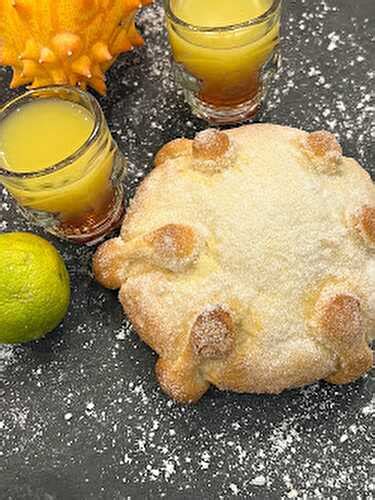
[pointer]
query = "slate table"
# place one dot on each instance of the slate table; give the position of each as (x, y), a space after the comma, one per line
(81, 414)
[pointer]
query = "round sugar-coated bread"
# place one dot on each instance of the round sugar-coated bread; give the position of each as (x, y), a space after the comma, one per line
(246, 261)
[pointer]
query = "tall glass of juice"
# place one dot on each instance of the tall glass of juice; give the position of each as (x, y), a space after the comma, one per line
(224, 54)
(61, 164)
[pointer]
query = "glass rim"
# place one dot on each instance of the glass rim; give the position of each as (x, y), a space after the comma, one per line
(98, 122)
(220, 29)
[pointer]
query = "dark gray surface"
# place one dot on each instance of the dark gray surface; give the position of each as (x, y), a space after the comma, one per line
(81, 414)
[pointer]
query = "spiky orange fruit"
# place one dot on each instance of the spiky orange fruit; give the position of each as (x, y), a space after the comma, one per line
(66, 41)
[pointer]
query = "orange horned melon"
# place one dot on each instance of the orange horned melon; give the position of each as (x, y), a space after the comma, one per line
(66, 41)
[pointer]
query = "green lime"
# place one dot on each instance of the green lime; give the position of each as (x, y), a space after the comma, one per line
(34, 287)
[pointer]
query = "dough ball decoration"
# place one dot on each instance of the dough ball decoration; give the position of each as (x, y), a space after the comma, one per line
(212, 151)
(212, 334)
(364, 224)
(323, 151)
(246, 261)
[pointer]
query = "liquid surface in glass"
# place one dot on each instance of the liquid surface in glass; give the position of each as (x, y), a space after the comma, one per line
(215, 13)
(80, 199)
(223, 68)
(39, 134)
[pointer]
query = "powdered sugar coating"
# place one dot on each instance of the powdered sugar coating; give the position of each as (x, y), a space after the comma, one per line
(277, 240)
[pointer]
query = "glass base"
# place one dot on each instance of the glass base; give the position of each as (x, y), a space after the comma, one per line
(227, 115)
(93, 228)
(224, 114)
(89, 229)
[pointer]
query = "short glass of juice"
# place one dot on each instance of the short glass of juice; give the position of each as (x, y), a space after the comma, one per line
(61, 164)
(225, 53)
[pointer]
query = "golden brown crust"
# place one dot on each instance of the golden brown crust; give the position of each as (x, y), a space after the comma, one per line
(342, 332)
(267, 243)
(172, 150)
(173, 241)
(148, 327)
(323, 151)
(173, 247)
(295, 369)
(368, 223)
(323, 144)
(341, 322)
(364, 225)
(108, 262)
(210, 144)
(180, 379)
(212, 334)
(213, 152)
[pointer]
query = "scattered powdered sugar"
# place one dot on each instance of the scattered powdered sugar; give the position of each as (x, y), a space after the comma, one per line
(333, 39)
(146, 439)
(6, 355)
(258, 480)
(81, 410)
(369, 409)
(335, 92)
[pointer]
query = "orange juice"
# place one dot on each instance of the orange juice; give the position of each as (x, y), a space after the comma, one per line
(214, 13)
(223, 46)
(57, 158)
(42, 133)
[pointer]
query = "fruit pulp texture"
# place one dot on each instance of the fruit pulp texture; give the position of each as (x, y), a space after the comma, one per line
(227, 63)
(39, 134)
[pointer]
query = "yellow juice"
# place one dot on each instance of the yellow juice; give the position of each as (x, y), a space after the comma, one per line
(216, 13)
(42, 133)
(226, 64)
(36, 136)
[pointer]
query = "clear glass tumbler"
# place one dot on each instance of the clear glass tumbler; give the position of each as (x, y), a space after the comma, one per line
(224, 69)
(80, 198)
